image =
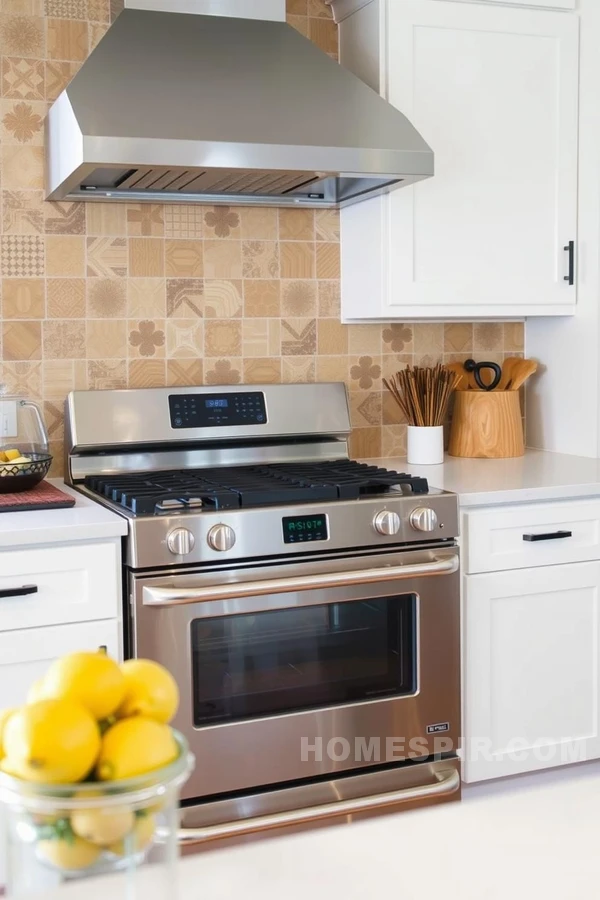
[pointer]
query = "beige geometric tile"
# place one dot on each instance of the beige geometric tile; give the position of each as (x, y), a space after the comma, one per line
(364, 339)
(146, 298)
(262, 298)
(145, 373)
(223, 371)
(23, 79)
(328, 260)
(297, 259)
(107, 374)
(59, 377)
(22, 167)
(365, 408)
(332, 337)
(298, 337)
(488, 336)
(296, 7)
(22, 35)
(327, 222)
(364, 373)
(331, 368)
(22, 212)
(96, 31)
(107, 218)
(145, 220)
(365, 443)
(98, 10)
(299, 298)
(262, 371)
(24, 379)
(22, 256)
(259, 223)
(185, 297)
(393, 440)
(80, 375)
(183, 220)
(184, 259)
(54, 420)
(67, 9)
(65, 298)
(107, 257)
(391, 363)
(64, 218)
(324, 33)
(222, 259)
(106, 299)
(58, 74)
(21, 340)
(222, 299)
(106, 339)
(329, 298)
(64, 339)
(65, 255)
(391, 412)
(223, 337)
(182, 372)
(185, 338)
(261, 337)
(22, 122)
(298, 369)
(319, 8)
(260, 259)
(458, 337)
(23, 298)
(67, 39)
(146, 257)
(428, 338)
(514, 336)
(296, 225)
(299, 23)
(221, 222)
(146, 338)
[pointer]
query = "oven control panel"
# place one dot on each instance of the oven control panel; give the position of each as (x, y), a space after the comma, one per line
(214, 410)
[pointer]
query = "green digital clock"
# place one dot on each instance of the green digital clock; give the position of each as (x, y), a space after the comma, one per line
(301, 529)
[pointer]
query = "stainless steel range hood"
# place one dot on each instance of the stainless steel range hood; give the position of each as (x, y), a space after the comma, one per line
(175, 107)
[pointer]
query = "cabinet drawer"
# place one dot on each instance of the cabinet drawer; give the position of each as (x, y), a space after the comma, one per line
(56, 585)
(529, 535)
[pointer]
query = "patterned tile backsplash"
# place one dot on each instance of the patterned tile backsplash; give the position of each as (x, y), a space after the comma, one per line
(110, 295)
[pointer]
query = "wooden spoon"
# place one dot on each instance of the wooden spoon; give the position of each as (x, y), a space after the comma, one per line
(461, 376)
(509, 367)
(521, 373)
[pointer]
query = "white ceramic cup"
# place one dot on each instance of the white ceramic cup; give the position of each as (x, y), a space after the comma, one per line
(425, 445)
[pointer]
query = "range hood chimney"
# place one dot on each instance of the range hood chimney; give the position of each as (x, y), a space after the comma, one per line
(219, 101)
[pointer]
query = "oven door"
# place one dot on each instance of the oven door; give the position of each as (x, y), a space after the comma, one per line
(311, 669)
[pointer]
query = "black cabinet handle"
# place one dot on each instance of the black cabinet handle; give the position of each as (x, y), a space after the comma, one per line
(19, 592)
(570, 249)
(550, 536)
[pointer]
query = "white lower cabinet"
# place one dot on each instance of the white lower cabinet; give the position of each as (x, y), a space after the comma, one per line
(531, 665)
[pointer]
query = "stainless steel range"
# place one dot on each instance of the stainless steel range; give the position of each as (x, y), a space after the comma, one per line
(308, 605)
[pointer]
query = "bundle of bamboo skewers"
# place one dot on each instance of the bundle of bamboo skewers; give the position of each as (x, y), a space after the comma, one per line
(423, 393)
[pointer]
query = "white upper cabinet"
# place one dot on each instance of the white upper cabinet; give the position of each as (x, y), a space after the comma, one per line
(494, 90)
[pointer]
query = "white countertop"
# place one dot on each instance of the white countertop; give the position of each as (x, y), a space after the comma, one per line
(85, 521)
(531, 837)
(539, 475)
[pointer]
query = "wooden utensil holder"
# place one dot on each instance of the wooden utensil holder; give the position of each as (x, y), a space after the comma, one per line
(487, 425)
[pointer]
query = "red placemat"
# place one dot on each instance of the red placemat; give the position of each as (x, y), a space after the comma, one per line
(42, 496)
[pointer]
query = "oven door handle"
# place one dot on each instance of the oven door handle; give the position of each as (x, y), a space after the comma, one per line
(162, 596)
(447, 782)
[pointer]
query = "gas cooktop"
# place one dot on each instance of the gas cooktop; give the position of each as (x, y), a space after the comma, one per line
(247, 487)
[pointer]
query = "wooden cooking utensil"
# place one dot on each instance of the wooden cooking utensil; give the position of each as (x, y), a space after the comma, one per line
(461, 383)
(508, 370)
(521, 373)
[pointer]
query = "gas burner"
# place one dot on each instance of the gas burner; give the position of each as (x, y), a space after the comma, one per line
(246, 487)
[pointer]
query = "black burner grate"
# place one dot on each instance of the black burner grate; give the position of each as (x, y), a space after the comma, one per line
(236, 487)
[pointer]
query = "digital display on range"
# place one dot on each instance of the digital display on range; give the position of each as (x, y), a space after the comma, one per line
(217, 403)
(299, 529)
(217, 410)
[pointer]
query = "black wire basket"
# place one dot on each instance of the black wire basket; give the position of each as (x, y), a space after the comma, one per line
(18, 477)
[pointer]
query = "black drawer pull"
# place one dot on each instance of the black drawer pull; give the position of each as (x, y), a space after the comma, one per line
(19, 592)
(550, 536)
(570, 249)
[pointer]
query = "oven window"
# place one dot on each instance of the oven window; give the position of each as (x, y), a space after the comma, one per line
(293, 659)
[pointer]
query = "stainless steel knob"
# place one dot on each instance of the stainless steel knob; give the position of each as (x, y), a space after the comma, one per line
(423, 519)
(387, 522)
(180, 541)
(221, 537)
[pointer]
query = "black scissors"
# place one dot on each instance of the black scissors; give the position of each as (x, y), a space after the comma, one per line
(475, 368)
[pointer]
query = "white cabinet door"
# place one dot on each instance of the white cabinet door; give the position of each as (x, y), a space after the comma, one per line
(494, 90)
(25, 655)
(531, 645)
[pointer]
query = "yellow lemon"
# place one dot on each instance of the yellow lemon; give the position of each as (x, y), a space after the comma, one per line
(102, 826)
(36, 691)
(150, 690)
(70, 855)
(143, 832)
(92, 679)
(5, 715)
(133, 747)
(53, 742)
